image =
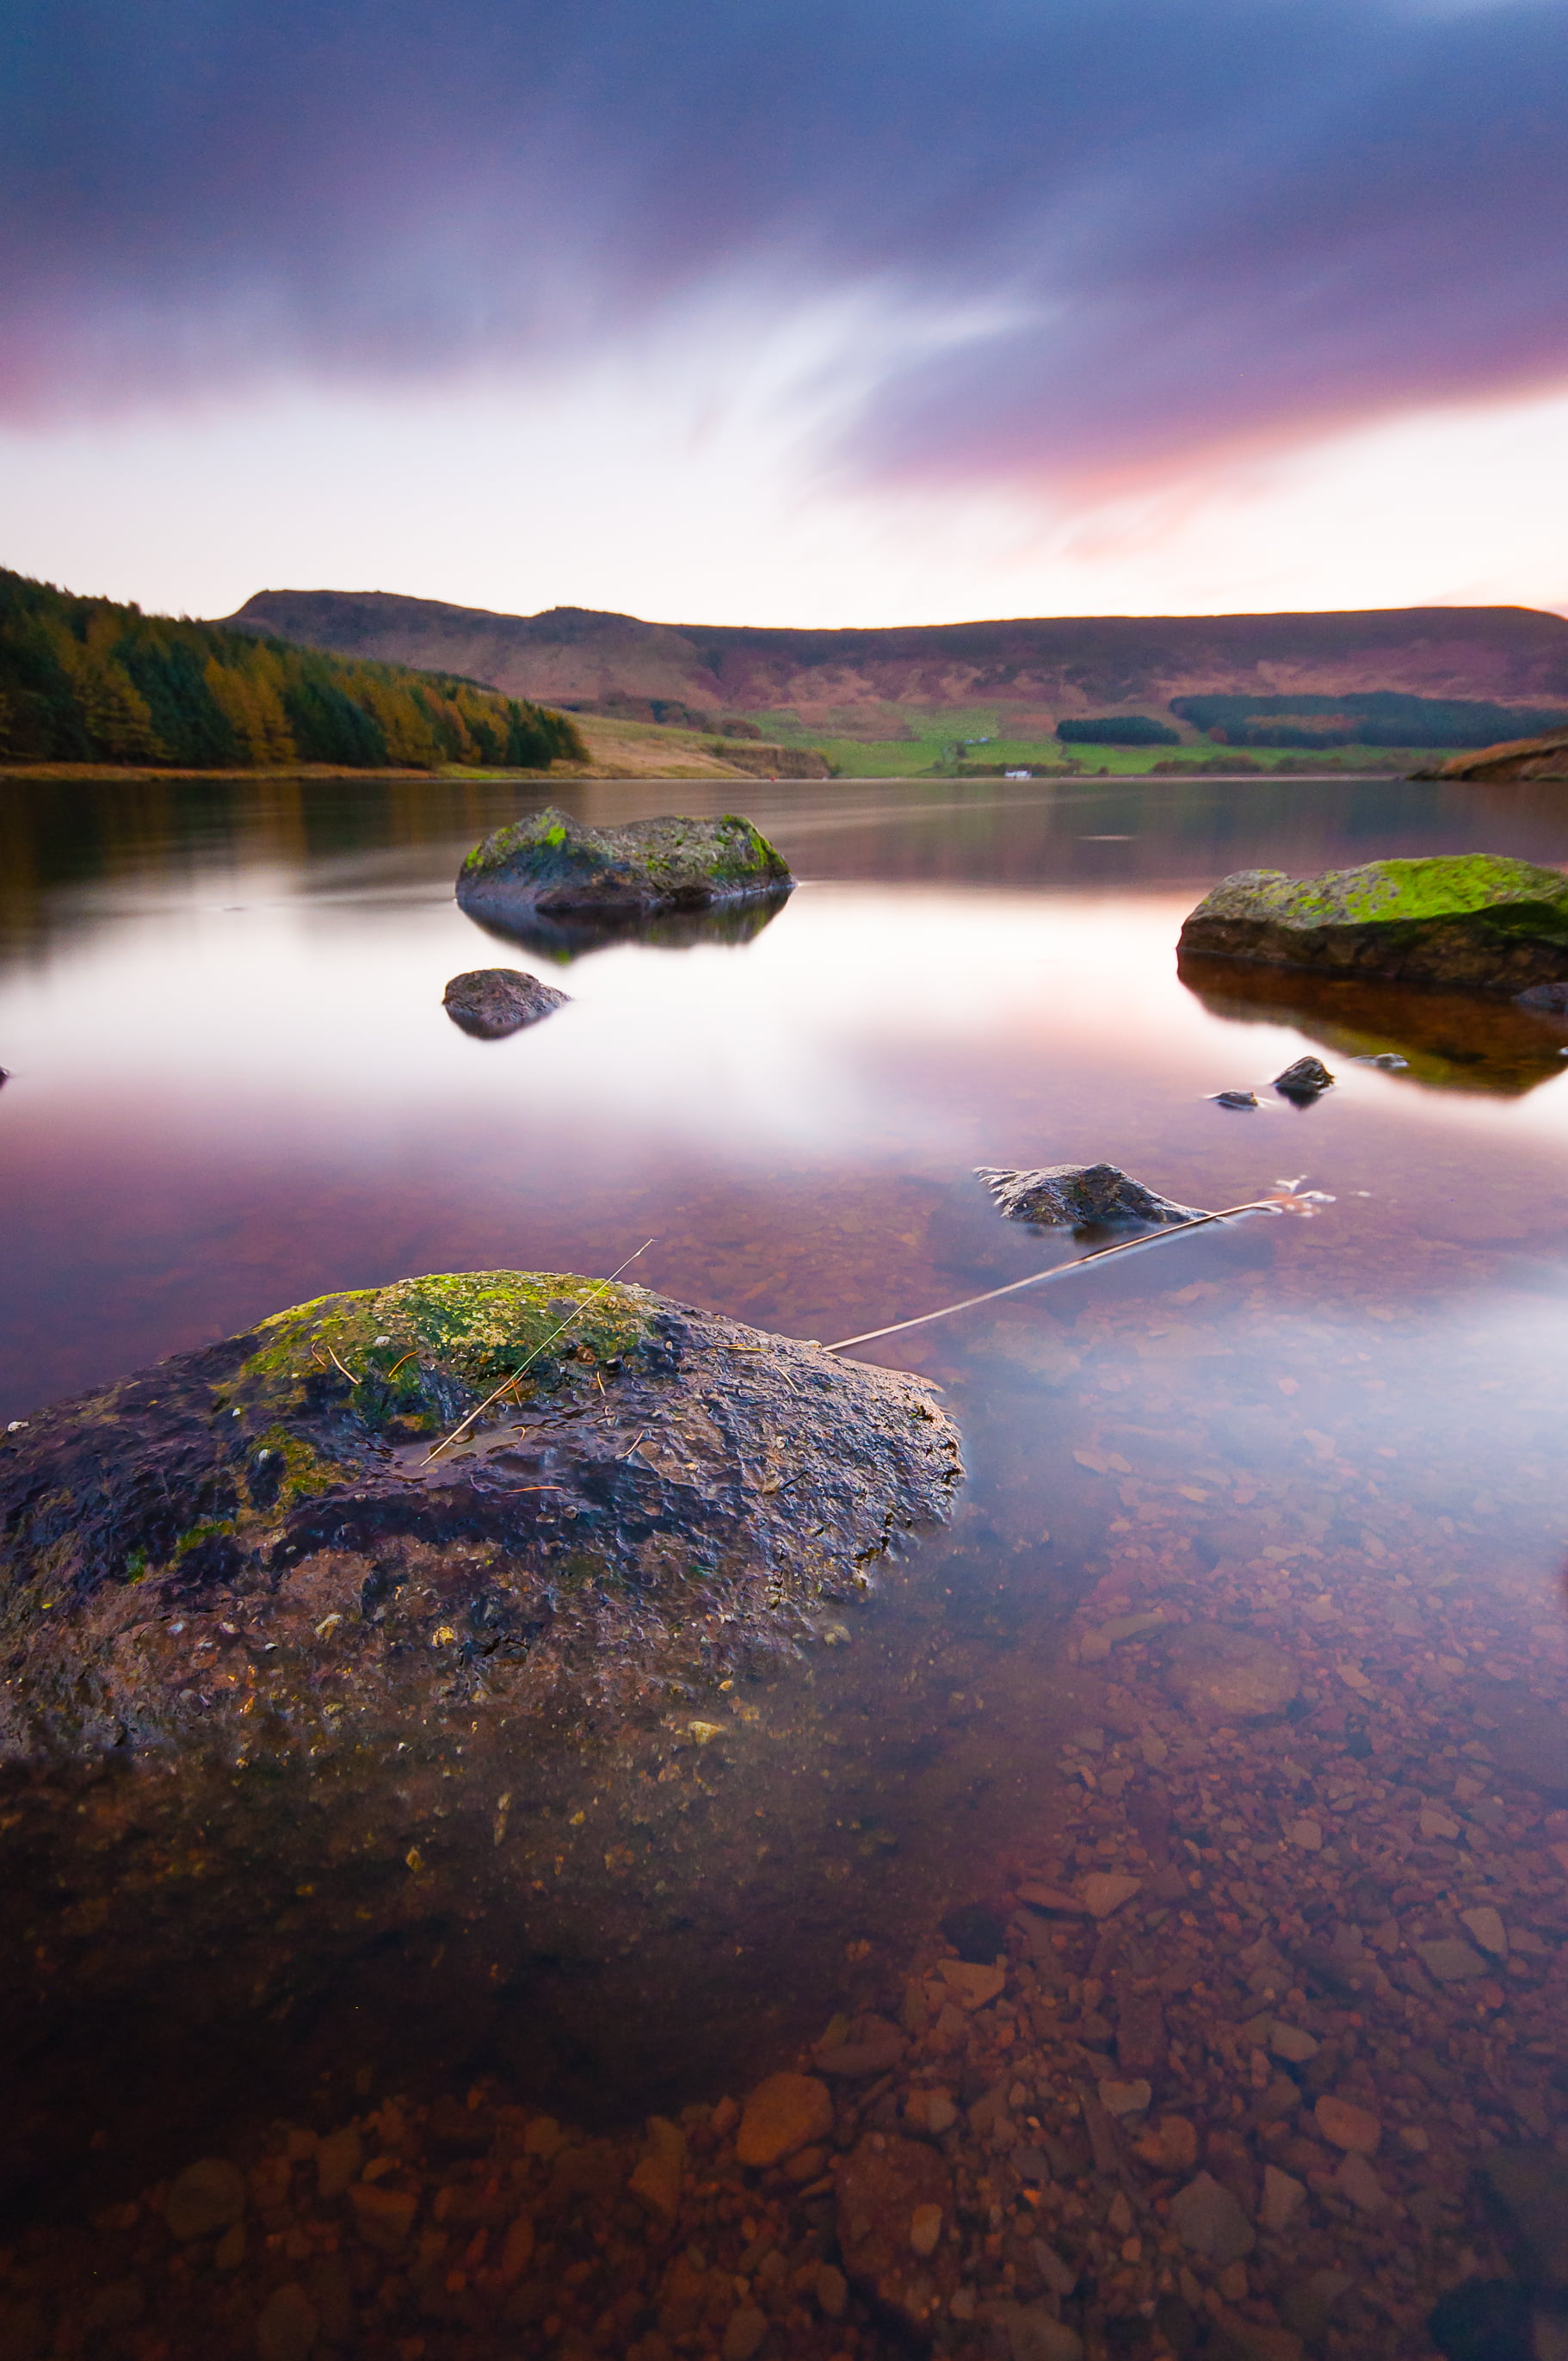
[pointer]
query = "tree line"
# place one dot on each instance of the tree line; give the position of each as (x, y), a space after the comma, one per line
(1374, 717)
(85, 680)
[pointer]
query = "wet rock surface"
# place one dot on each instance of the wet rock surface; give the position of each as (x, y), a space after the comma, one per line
(1477, 921)
(552, 866)
(1077, 1196)
(267, 1545)
(490, 1001)
(1304, 1078)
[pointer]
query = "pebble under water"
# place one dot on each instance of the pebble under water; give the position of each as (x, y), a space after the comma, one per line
(1137, 1924)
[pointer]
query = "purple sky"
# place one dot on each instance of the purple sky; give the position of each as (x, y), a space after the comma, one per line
(1034, 258)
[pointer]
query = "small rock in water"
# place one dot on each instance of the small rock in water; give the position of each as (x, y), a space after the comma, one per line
(1035, 2334)
(1209, 2221)
(492, 1001)
(1305, 1079)
(1229, 1676)
(1550, 996)
(1072, 1196)
(784, 2113)
(1105, 1893)
(205, 2197)
(1485, 1924)
(1235, 1098)
(1283, 2196)
(747, 2328)
(288, 2327)
(1390, 1061)
(1348, 2125)
(1452, 1961)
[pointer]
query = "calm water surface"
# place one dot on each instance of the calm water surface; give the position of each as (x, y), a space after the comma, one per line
(234, 1087)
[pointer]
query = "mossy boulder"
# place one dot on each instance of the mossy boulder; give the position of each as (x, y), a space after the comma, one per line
(252, 1542)
(1478, 921)
(551, 864)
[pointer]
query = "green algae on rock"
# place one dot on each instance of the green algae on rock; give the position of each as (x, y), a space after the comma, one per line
(550, 864)
(252, 1542)
(1478, 921)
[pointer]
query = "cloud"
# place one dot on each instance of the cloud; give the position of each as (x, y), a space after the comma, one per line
(1154, 228)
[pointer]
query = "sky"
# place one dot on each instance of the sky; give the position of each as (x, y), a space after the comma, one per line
(788, 312)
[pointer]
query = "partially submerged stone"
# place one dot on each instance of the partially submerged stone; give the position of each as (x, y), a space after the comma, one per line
(259, 1541)
(1304, 1078)
(552, 864)
(1074, 1196)
(1480, 921)
(493, 1001)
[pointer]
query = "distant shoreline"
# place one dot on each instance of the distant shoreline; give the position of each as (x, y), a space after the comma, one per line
(321, 774)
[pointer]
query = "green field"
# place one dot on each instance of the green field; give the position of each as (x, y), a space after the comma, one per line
(929, 749)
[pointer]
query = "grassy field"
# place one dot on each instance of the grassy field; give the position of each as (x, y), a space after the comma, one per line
(930, 749)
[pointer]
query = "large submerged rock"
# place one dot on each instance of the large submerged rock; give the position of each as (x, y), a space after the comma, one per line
(252, 1542)
(1077, 1196)
(1479, 921)
(552, 865)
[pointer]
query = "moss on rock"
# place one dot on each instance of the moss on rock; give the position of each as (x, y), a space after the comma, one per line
(635, 1484)
(1477, 921)
(551, 862)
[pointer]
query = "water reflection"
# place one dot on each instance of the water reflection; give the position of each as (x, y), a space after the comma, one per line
(562, 939)
(1449, 1041)
(235, 1089)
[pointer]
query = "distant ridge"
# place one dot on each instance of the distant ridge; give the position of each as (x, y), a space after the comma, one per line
(1040, 669)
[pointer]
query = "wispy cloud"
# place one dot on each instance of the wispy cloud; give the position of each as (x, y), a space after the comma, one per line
(1118, 232)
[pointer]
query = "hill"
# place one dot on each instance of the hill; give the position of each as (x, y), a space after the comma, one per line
(85, 680)
(881, 685)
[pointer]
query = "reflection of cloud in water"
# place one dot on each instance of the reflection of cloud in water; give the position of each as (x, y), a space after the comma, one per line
(1450, 1040)
(563, 937)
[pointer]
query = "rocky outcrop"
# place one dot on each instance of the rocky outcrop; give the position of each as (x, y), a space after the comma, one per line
(1516, 758)
(491, 1001)
(266, 1544)
(1073, 1196)
(1477, 921)
(553, 866)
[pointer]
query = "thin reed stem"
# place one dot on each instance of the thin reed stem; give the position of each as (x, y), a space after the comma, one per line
(1060, 1270)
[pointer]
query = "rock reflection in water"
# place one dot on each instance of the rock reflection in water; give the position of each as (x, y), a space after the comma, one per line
(563, 939)
(1450, 1040)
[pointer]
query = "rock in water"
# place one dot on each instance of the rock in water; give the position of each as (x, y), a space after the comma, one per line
(550, 864)
(1476, 920)
(251, 1543)
(1071, 1196)
(1308, 1077)
(490, 1000)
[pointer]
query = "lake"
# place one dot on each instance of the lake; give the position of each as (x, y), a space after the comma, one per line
(233, 1087)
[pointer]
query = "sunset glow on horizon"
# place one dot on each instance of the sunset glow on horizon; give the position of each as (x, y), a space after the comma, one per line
(805, 317)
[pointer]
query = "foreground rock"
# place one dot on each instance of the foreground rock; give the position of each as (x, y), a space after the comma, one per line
(254, 1541)
(1073, 1196)
(552, 865)
(492, 1001)
(1474, 921)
